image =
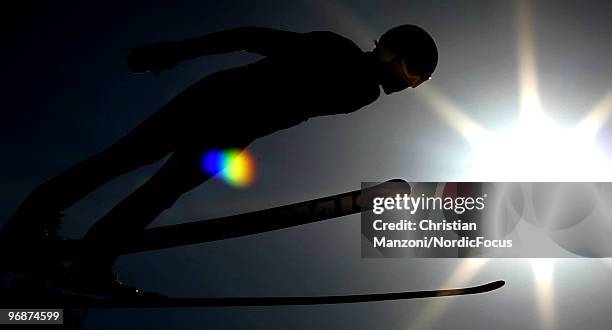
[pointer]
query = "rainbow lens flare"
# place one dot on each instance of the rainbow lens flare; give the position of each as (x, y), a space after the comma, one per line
(235, 166)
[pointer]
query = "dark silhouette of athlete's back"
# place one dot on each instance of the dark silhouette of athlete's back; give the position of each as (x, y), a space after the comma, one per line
(302, 75)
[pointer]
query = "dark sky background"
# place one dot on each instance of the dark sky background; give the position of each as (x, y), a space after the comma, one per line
(67, 94)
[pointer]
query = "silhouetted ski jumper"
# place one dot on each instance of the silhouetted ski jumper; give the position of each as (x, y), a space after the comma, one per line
(302, 75)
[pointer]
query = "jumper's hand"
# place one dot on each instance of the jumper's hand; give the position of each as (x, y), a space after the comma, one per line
(153, 57)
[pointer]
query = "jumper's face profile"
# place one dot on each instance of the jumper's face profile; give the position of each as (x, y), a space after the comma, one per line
(413, 78)
(397, 76)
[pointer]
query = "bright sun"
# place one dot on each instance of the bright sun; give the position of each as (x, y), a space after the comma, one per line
(538, 149)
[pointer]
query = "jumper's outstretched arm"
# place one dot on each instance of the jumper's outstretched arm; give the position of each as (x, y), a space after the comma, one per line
(263, 41)
(165, 55)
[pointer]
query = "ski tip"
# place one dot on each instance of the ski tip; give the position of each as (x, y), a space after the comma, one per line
(397, 180)
(495, 285)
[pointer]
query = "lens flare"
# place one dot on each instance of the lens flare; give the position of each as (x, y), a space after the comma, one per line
(235, 166)
(543, 271)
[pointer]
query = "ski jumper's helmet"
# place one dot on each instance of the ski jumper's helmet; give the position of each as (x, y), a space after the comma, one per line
(415, 47)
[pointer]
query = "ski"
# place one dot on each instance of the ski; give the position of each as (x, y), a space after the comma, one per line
(244, 224)
(159, 301)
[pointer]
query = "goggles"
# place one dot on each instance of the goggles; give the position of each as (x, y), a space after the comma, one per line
(413, 78)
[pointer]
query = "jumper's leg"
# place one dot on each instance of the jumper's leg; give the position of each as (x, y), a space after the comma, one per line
(147, 143)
